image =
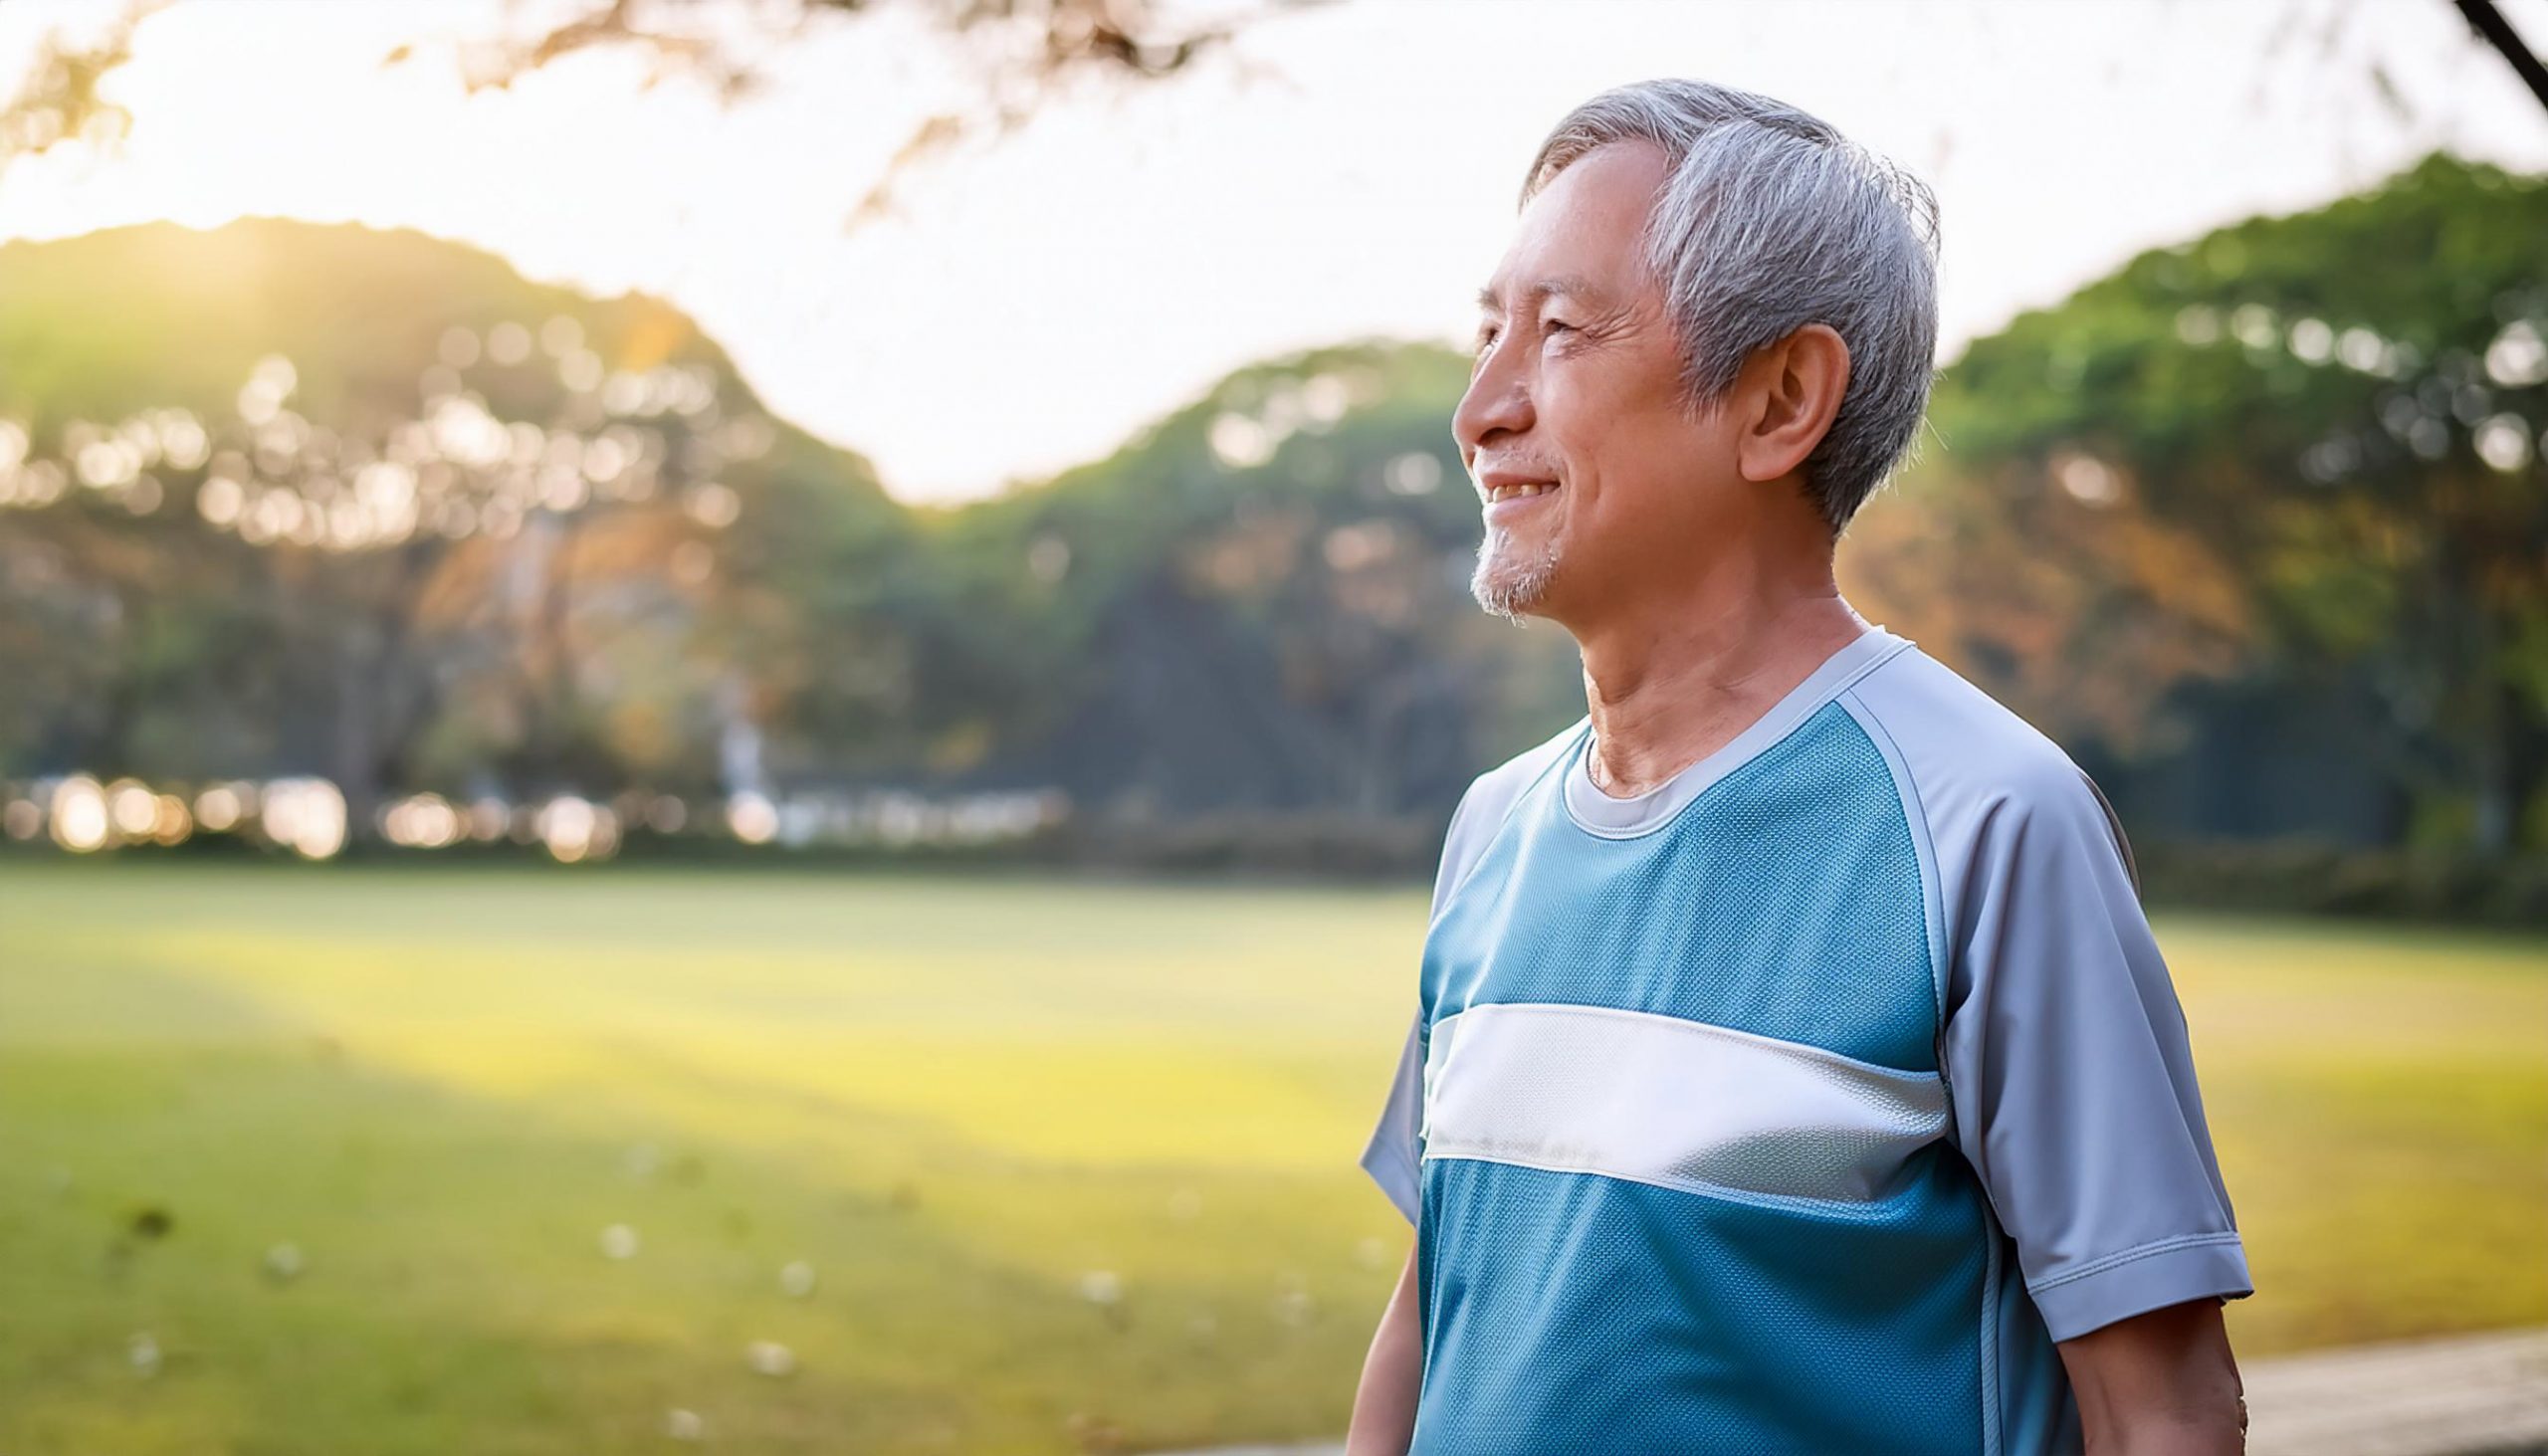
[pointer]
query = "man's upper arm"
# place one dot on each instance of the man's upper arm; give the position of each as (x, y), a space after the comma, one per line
(2069, 1070)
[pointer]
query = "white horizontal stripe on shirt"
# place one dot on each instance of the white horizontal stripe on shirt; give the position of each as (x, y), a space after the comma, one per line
(1668, 1100)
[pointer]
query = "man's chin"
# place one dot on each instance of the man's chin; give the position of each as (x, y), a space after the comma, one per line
(1513, 584)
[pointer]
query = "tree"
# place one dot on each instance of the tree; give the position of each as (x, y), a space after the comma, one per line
(2300, 444)
(284, 497)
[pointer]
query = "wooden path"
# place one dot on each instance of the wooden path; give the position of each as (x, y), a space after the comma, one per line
(2467, 1395)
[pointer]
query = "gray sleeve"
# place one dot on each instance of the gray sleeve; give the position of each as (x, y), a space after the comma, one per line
(1391, 1155)
(2067, 1060)
(1394, 1150)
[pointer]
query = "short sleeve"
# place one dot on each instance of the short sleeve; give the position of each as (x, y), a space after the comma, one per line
(1394, 1151)
(1391, 1155)
(2069, 1070)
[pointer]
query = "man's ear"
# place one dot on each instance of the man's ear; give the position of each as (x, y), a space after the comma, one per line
(1789, 393)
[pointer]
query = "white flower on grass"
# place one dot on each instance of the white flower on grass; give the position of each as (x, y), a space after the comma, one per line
(619, 1241)
(1101, 1287)
(770, 1358)
(683, 1425)
(283, 1263)
(1372, 1252)
(797, 1279)
(143, 1349)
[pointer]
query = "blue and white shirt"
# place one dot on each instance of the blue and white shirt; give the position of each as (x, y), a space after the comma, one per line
(1800, 1104)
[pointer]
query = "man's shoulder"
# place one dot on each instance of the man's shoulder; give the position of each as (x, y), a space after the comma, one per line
(1490, 799)
(1945, 727)
(1971, 759)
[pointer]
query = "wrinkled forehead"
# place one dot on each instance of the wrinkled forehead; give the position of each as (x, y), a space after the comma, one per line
(1583, 236)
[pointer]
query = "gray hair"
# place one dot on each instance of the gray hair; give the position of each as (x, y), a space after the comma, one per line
(1770, 220)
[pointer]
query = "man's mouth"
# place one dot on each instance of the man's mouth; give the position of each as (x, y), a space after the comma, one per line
(1517, 493)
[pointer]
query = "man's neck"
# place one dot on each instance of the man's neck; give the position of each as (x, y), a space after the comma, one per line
(1672, 684)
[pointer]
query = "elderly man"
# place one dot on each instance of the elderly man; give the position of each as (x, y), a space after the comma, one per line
(1793, 1070)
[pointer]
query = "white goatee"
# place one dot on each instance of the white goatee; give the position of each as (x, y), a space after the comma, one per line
(1509, 580)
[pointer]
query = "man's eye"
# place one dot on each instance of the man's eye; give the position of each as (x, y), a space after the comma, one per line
(1556, 326)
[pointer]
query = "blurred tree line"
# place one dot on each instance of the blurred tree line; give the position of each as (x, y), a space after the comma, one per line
(284, 497)
(2255, 525)
(2262, 519)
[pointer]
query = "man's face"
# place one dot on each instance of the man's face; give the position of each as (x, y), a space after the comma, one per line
(1576, 413)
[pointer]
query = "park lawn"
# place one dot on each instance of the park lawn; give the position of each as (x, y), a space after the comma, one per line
(1072, 1162)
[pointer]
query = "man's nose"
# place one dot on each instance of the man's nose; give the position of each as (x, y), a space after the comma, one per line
(1498, 402)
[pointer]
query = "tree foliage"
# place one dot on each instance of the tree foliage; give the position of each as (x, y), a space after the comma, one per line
(2260, 516)
(320, 500)
(2303, 447)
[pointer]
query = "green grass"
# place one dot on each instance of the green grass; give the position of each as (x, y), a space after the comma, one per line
(954, 1098)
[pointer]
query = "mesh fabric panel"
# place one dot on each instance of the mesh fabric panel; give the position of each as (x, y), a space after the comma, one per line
(1623, 1320)
(1785, 901)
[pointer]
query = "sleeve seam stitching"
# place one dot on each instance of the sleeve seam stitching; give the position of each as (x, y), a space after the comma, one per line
(2144, 1251)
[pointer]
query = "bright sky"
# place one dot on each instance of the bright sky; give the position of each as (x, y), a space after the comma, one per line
(1343, 170)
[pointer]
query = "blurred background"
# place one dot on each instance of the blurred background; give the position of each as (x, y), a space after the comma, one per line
(724, 724)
